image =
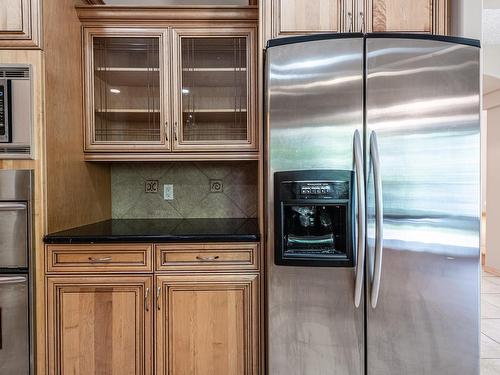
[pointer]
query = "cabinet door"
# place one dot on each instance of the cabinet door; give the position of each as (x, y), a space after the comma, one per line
(208, 325)
(214, 89)
(420, 16)
(293, 17)
(99, 325)
(19, 22)
(126, 96)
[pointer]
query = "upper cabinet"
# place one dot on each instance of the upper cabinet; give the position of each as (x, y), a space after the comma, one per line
(304, 16)
(126, 101)
(19, 23)
(410, 16)
(180, 89)
(297, 17)
(214, 104)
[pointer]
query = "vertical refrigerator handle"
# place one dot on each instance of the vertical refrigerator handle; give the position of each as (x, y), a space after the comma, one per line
(360, 189)
(379, 219)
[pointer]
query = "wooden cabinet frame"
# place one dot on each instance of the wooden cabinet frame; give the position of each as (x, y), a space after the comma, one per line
(29, 35)
(247, 284)
(140, 285)
(91, 144)
(179, 144)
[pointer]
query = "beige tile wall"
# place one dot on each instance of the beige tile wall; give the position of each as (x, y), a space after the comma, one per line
(192, 196)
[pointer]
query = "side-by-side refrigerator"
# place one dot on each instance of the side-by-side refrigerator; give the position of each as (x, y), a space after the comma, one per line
(373, 205)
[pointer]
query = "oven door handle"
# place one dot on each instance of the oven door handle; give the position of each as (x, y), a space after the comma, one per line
(379, 219)
(13, 279)
(13, 206)
(361, 232)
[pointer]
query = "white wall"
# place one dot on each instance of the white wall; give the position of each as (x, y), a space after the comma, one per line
(466, 18)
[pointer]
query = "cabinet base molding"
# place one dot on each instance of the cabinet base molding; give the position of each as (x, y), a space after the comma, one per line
(169, 156)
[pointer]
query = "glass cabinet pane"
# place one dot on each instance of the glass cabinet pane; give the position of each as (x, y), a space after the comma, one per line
(214, 89)
(127, 89)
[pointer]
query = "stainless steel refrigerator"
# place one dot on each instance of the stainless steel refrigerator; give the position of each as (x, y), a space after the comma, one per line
(373, 204)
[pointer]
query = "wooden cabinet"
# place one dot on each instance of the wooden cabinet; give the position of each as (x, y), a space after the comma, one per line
(100, 325)
(185, 90)
(19, 23)
(106, 258)
(208, 257)
(208, 324)
(296, 17)
(126, 81)
(214, 89)
(410, 16)
(197, 313)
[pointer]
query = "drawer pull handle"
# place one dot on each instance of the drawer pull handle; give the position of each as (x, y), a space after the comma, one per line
(146, 300)
(207, 259)
(158, 294)
(100, 260)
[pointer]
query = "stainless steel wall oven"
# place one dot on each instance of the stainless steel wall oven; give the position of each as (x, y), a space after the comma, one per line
(16, 272)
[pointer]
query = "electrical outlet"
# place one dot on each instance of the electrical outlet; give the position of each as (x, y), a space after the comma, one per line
(151, 186)
(216, 186)
(168, 192)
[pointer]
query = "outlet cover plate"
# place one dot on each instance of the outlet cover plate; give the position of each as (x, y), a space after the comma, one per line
(216, 186)
(151, 186)
(168, 192)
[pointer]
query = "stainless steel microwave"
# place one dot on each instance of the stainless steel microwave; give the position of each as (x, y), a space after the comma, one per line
(16, 112)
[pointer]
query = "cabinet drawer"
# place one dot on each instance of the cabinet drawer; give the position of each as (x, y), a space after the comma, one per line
(99, 258)
(204, 257)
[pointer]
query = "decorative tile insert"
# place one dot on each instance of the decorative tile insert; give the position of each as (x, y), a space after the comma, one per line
(192, 195)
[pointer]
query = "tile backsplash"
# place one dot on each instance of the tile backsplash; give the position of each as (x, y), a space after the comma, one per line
(191, 190)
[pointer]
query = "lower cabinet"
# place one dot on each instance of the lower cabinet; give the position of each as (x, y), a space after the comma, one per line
(189, 316)
(100, 325)
(207, 325)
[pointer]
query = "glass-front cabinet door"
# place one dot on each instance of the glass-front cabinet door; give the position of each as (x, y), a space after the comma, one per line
(127, 101)
(214, 94)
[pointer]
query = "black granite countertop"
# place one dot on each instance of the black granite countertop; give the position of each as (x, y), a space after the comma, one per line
(160, 230)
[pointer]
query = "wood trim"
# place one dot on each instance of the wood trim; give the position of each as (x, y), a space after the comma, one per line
(76, 258)
(178, 13)
(248, 284)
(96, 2)
(250, 33)
(231, 257)
(491, 270)
(57, 285)
(170, 156)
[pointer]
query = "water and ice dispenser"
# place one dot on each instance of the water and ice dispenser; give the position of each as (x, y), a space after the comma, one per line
(314, 218)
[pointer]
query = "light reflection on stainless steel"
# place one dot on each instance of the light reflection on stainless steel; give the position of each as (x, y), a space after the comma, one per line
(313, 325)
(423, 102)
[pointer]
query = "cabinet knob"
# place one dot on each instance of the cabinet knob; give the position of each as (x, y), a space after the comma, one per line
(166, 131)
(175, 131)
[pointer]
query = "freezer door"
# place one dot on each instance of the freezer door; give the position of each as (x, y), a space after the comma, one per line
(313, 108)
(422, 102)
(14, 324)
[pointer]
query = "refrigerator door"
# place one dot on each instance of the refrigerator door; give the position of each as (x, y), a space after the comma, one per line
(422, 101)
(314, 106)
